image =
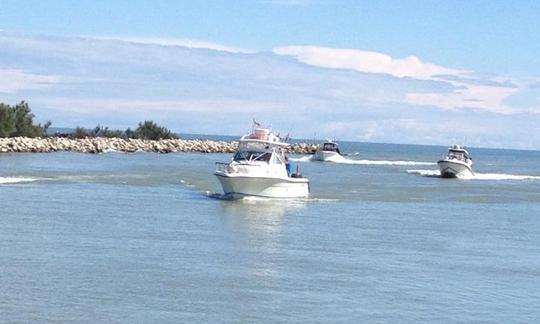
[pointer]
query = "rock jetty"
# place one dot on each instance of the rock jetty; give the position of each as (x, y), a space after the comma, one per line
(100, 145)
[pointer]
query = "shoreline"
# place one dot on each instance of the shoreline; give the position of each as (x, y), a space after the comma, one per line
(95, 145)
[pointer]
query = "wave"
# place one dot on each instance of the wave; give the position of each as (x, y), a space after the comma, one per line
(10, 180)
(286, 201)
(477, 176)
(306, 158)
(426, 173)
(501, 176)
(343, 160)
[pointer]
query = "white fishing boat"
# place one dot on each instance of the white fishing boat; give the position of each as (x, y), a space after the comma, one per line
(457, 163)
(328, 151)
(260, 167)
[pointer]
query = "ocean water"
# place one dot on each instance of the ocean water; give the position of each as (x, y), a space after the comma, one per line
(141, 238)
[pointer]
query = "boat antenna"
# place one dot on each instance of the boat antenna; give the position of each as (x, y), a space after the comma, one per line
(255, 123)
(288, 135)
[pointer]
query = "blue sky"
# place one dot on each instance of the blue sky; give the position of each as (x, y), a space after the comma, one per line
(487, 36)
(426, 72)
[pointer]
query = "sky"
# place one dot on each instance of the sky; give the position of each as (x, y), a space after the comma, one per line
(421, 72)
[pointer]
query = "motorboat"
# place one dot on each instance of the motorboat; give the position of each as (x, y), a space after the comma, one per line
(328, 151)
(457, 163)
(260, 167)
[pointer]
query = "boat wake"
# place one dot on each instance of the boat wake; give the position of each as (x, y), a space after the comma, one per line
(255, 199)
(343, 160)
(477, 176)
(306, 158)
(11, 180)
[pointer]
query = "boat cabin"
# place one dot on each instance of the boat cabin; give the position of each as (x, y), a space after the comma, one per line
(331, 147)
(458, 153)
(250, 151)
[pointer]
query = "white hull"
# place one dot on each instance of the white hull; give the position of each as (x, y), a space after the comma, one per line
(321, 155)
(241, 185)
(454, 169)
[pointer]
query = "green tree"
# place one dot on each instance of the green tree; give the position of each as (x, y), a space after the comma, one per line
(19, 121)
(152, 131)
(98, 131)
(7, 120)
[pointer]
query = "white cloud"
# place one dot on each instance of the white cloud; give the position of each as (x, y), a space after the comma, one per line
(89, 105)
(485, 94)
(14, 80)
(183, 42)
(489, 98)
(366, 61)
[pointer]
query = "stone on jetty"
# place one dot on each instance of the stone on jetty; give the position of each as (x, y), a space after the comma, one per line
(130, 145)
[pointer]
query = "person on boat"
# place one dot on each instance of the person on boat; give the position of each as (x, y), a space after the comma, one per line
(288, 165)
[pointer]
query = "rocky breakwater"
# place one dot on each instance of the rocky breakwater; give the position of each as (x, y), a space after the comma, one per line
(99, 145)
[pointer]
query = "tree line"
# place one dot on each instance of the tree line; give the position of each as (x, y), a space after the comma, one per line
(18, 120)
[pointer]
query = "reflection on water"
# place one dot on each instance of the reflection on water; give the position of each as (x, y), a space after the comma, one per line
(257, 227)
(264, 215)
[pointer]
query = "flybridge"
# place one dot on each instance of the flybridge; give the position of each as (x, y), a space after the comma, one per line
(260, 137)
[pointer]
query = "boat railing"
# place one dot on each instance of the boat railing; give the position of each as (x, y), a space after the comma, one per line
(221, 167)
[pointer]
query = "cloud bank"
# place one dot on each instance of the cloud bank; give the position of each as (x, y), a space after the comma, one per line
(470, 92)
(13, 81)
(182, 42)
(365, 61)
(210, 88)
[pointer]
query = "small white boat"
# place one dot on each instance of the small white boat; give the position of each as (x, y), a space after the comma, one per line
(261, 168)
(457, 163)
(328, 151)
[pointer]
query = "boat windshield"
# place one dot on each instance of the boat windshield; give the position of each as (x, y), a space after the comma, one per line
(250, 146)
(330, 147)
(458, 155)
(252, 156)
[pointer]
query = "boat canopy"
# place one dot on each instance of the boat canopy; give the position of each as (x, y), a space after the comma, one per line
(457, 148)
(258, 145)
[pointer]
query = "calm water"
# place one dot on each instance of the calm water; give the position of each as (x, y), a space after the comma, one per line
(137, 238)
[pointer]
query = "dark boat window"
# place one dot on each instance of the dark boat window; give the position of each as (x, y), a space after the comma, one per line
(330, 147)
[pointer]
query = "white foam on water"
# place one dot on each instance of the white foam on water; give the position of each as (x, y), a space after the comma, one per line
(302, 159)
(187, 183)
(426, 173)
(344, 160)
(248, 199)
(477, 176)
(286, 201)
(9, 180)
(500, 176)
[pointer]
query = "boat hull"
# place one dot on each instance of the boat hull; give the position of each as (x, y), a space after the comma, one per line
(454, 169)
(240, 186)
(325, 155)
